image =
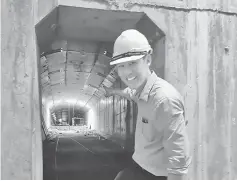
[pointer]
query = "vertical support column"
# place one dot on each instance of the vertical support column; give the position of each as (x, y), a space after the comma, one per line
(127, 121)
(120, 115)
(73, 115)
(20, 94)
(69, 115)
(113, 117)
(37, 152)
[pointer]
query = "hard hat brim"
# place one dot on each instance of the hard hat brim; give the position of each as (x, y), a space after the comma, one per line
(127, 59)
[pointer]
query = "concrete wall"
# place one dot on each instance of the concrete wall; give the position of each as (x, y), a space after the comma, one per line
(209, 89)
(200, 49)
(21, 144)
(44, 7)
(19, 89)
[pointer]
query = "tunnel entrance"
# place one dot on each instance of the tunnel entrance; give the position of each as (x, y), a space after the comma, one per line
(75, 46)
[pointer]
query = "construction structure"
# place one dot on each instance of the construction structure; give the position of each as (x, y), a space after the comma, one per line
(55, 62)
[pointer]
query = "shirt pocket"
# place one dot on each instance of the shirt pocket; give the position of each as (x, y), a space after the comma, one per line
(148, 131)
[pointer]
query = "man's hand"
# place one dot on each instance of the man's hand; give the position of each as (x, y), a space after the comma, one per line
(108, 91)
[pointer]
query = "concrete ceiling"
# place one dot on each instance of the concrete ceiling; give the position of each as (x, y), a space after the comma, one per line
(67, 22)
(76, 46)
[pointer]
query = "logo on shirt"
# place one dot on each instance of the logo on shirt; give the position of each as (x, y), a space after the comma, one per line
(144, 120)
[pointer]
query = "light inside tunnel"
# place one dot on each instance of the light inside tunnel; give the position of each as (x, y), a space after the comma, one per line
(53, 103)
(48, 118)
(106, 101)
(91, 119)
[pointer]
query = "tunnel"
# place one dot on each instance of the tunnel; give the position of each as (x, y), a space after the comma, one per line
(85, 134)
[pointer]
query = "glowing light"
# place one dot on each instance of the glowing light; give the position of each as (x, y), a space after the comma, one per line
(48, 118)
(91, 119)
(102, 101)
(108, 101)
(51, 103)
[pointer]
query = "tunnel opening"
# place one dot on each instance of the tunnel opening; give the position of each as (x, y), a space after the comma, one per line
(75, 46)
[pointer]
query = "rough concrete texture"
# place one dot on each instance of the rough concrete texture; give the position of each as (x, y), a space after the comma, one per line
(19, 90)
(36, 142)
(180, 5)
(21, 143)
(43, 8)
(209, 89)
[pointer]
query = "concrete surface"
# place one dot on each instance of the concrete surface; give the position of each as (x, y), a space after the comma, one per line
(21, 145)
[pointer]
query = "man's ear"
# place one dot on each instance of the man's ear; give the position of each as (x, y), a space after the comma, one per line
(149, 59)
(150, 51)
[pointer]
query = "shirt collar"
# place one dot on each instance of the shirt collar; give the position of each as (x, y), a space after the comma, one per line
(147, 88)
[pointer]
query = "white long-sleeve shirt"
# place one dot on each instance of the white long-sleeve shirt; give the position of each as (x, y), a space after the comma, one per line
(161, 140)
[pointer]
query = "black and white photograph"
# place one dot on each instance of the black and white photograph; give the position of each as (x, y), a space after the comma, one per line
(118, 90)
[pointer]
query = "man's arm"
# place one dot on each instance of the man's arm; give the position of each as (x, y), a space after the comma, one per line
(175, 138)
(123, 93)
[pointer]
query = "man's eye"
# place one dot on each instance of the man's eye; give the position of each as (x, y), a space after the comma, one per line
(132, 63)
(120, 66)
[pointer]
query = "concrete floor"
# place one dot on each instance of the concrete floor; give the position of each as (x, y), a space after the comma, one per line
(77, 157)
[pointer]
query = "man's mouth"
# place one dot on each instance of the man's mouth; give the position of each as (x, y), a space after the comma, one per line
(130, 78)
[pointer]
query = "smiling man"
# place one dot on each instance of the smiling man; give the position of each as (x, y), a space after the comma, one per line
(161, 141)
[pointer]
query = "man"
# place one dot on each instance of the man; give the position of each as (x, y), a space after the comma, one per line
(161, 141)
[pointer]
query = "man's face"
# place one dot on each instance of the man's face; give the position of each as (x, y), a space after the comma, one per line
(134, 73)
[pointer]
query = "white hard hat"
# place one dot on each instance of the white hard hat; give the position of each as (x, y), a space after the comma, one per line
(129, 46)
